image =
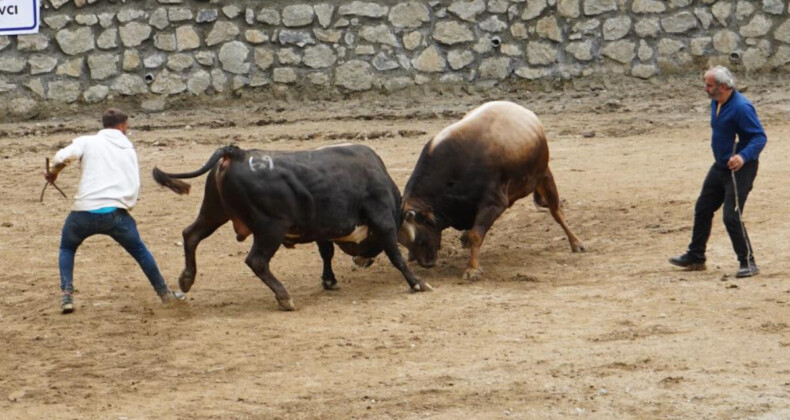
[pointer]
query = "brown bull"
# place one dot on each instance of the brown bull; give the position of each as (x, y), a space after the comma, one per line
(470, 173)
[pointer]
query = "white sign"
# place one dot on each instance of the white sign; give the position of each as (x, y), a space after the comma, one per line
(19, 17)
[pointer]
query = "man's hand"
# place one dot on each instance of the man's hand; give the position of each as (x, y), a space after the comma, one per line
(52, 171)
(50, 176)
(735, 163)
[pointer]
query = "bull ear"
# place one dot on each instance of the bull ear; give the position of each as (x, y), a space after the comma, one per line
(430, 218)
(409, 216)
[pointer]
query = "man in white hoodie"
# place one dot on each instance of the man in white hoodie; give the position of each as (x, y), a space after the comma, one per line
(109, 186)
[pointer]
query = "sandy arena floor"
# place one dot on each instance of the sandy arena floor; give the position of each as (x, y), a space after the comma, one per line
(615, 332)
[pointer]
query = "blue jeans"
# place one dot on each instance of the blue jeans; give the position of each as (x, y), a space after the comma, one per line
(120, 226)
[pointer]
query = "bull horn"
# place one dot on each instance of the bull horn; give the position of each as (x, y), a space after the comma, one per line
(406, 234)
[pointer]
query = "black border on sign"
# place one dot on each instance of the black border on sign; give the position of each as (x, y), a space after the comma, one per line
(35, 21)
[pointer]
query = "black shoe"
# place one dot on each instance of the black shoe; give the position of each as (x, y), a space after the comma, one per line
(689, 262)
(747, 270)
(66, 303)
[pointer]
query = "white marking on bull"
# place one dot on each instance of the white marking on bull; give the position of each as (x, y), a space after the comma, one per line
(261, 162)
(359, 234)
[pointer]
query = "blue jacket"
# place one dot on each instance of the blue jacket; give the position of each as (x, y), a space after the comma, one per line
(736, 117)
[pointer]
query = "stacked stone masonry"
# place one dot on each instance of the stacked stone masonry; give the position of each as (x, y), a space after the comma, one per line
(90, 50)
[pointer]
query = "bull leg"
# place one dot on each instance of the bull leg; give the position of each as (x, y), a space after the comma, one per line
(485, 218)
(465, 239)
(548, 190)
(212, 215)
(263, 249)
(385, 229)
(390, 245)
(200, 229)
(327, 251)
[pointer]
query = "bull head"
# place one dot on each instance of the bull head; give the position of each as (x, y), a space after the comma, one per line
(421, 235)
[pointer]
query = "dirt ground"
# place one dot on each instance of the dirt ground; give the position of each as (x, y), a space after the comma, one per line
(615, 332)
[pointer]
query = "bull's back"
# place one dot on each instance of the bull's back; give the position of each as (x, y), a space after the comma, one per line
(335, 178)
(501, 132)
(357, 157)
(343, 160)
(359, 164)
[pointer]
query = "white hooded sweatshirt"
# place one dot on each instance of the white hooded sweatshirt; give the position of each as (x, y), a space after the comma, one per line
(110, 175)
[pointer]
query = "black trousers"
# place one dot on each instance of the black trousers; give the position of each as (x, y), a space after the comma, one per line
(718, 189)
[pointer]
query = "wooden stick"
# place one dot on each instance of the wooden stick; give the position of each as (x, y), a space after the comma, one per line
(41, 199)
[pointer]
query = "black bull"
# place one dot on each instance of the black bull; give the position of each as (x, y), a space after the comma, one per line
(334, 195)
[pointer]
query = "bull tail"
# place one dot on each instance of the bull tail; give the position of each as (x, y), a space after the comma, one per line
(180, 187)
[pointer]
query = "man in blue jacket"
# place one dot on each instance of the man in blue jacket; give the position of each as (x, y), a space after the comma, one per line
(732, 175)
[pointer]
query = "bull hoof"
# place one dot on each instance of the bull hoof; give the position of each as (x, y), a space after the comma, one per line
(286, 304)
(185, 281)
(578, 247)
(330, 284)
(422, 287)
(473, 274)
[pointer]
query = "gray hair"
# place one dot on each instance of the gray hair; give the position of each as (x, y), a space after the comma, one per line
(722, 76)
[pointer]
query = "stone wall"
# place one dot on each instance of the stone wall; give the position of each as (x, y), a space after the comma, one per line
(89, 51)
